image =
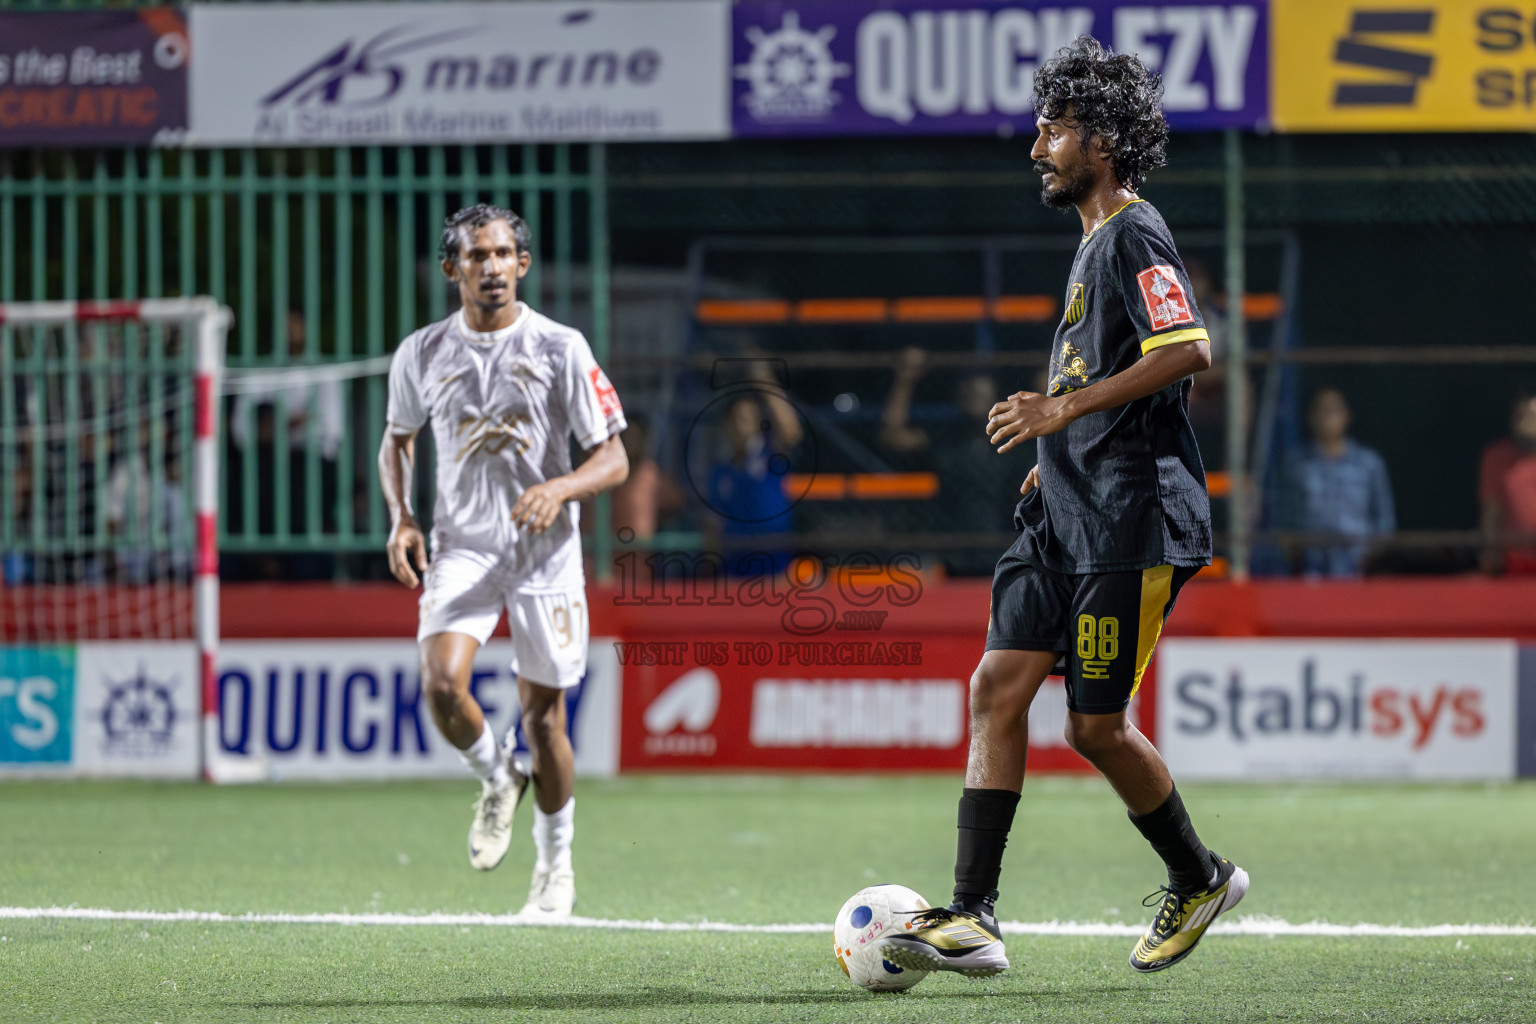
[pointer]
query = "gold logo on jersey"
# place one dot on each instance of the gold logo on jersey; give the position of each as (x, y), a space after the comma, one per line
(1076, 306)
(483, 434)
(1068, 372)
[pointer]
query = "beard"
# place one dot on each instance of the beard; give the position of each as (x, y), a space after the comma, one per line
(1072, 187)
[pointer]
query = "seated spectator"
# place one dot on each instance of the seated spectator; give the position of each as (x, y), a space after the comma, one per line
(1507, 493)
(1334, 485)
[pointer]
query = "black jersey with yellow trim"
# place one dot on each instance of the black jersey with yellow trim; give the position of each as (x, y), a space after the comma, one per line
(1124, 488)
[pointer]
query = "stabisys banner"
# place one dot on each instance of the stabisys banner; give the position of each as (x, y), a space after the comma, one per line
(287, 74)
(1339, 709)
(890, 67)
(93, 78)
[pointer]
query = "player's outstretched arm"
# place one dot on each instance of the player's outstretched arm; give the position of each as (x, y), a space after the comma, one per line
(1024, 415)
(606, 467)
(407, 547)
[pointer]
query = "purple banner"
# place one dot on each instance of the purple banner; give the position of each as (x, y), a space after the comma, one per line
(93, 78)
(866, 67)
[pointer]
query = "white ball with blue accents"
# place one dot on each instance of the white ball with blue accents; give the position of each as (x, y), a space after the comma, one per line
(869, 916)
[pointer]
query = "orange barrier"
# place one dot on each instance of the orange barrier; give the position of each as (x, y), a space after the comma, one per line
(1262, 306)
(941, 309)
(1024, 309)
(842, 311)
(742, 311)
(861, 486)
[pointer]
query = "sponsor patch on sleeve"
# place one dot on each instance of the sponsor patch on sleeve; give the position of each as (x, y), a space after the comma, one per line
(1167, 305)
(607, 398)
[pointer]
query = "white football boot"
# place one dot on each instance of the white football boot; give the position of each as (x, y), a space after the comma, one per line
(552, 895)
(491, 832)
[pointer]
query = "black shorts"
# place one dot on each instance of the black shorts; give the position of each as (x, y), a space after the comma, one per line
(1106, 624)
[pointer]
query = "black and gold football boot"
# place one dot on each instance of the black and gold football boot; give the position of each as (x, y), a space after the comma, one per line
(945, 939)
(1182, 918)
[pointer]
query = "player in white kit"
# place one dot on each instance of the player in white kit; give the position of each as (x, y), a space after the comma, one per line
(505, 389)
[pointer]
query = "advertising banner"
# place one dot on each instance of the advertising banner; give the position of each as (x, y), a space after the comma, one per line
(862, 67)
(1525, 755)
(715, 701)
(37, 708)
(1387, 709)
(297, 74)
(1387, 66)
(93, 78)
(354, 709)
(137, 707)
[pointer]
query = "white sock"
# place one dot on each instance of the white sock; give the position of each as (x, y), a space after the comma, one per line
(484, 758)
(552, 834)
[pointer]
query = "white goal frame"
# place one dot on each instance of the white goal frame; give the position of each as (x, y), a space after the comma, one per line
(213, 321)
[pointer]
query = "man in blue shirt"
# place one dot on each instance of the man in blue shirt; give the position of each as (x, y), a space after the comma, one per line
(1334, 485)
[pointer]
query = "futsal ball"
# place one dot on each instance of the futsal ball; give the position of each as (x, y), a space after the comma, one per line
(869, 916)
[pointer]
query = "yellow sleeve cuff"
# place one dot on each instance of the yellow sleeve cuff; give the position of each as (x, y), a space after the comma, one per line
(1174, 338)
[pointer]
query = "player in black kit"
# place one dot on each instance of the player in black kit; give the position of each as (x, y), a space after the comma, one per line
(1114, 520)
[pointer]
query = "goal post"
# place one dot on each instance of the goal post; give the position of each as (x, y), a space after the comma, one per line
(110, 570)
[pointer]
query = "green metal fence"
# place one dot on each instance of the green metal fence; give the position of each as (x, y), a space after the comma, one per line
(327, 256)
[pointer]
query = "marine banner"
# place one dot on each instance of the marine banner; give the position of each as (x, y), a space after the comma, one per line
(1389, 65)
(137, 706)
(300, 74)
(93, 78)
(890, 67)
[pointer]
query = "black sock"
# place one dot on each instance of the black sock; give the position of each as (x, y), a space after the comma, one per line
(986, 815)
(1172, 835)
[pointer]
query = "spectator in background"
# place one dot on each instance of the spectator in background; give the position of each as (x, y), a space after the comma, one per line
(1334, 485)
(310, 407)
(17, 564)
(306, 400)
(745, 485)
(1208, 391)
(648, 494)
(1507, 494)
(135, 517)
(977, 489)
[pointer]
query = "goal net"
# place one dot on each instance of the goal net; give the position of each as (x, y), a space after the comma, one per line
(108, 531)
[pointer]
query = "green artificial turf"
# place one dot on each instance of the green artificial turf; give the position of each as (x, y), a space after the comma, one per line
(747, 850)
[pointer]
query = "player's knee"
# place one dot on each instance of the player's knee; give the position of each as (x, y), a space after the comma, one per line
(440, 692)
(440, 682)
(542, 721)
(994, 693)
(1090, 735)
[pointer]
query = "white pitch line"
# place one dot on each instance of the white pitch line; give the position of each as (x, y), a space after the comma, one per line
(1253, 925)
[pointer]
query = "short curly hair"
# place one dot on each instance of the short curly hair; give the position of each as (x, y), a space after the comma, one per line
(478, 216)
(1111, 95)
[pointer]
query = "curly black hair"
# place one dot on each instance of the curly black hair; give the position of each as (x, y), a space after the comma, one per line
(1110, 95)
(478, 216)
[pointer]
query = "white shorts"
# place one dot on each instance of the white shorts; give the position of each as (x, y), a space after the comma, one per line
(464, 592)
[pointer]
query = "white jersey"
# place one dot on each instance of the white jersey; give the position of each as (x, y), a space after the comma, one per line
(503, 407)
